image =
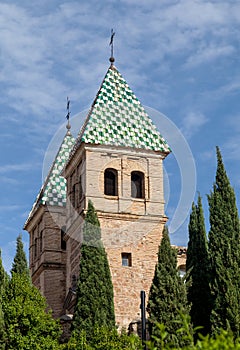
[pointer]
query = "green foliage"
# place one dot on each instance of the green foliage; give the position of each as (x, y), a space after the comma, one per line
(224, 247)
(103, 338)
(20, 264)
(167, 294)
(27, 324)
(198, 270)
(94, 307)
(224, 340)
(3, 282)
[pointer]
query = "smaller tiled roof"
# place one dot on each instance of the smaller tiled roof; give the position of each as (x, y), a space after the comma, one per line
(118, 118)
(53, 191)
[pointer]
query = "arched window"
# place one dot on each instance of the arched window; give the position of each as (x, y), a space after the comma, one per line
(137, 184)
(110, 182)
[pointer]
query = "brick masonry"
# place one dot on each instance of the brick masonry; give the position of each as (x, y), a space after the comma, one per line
(131, 226)
(128, 225)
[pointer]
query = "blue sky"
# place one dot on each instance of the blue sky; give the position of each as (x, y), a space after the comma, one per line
(180, 58)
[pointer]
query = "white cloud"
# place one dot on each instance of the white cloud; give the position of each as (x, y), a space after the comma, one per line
(192, 123)
(17, 167)
(11, 207)
(69, 37)
(9, 180)
(207, 54)
(207, 155)
(231, 147)
(51, 50)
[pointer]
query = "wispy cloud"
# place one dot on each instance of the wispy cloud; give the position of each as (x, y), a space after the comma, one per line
(51, 50)
(9, 180)
(207, 155)
(207, 54)
(11, 207)
(31, 43)
(192, 123)
(231, 147)
(18, 167)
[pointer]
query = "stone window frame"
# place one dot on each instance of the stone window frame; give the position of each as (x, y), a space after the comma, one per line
(35, 248)
(126, 259)
(41, 241)
(137, 184)
(111, 189)
(80, 188)
(35, 243)
(63, 242)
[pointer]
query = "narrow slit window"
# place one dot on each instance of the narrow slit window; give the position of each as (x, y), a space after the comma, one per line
(35, 247)
(110, 182)
(73, 196)
(41, 241)
(137, 184)
(80, 189)
(63, 242)
(127, 259)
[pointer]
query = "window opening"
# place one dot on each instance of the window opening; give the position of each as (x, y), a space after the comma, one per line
(73, 196)
(63, 242)
(41, 241)
(35, 247)
(126, 259)
(80, 189)
(110, 182)
(137, 184)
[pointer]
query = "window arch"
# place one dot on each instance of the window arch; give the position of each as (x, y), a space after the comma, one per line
(137, 184)
(111, 182)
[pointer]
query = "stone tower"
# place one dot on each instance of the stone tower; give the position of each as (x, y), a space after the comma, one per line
(46, 225)
(116, 163)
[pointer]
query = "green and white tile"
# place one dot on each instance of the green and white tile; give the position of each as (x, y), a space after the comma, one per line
(118, 118)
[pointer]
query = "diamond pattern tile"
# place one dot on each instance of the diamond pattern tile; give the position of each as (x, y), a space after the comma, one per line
(118, 118)
(53, 191)
(115, 118)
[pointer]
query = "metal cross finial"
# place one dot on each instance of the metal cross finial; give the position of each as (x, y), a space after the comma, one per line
(111, 59)
(68, 114)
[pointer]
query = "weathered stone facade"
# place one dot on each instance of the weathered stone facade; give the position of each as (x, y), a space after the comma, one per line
(129, 225)
(125, 184)
(47, 258)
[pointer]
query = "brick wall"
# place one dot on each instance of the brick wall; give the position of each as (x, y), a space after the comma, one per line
(129, 225)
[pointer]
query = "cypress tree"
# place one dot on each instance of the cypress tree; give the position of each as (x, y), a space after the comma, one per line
(224, 247)
(94, 306)
(167, 294)
(20, 264)
(197, 270)
(3, 281)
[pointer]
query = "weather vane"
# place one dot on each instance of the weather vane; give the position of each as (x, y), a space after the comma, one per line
(68, 114)
(111, 59)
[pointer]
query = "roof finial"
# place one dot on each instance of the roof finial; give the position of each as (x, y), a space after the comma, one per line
(68, 126)
(111, 59)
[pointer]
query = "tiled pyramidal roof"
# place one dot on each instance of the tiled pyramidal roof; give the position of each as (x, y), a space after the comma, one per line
(53, 191)
(118, 118)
